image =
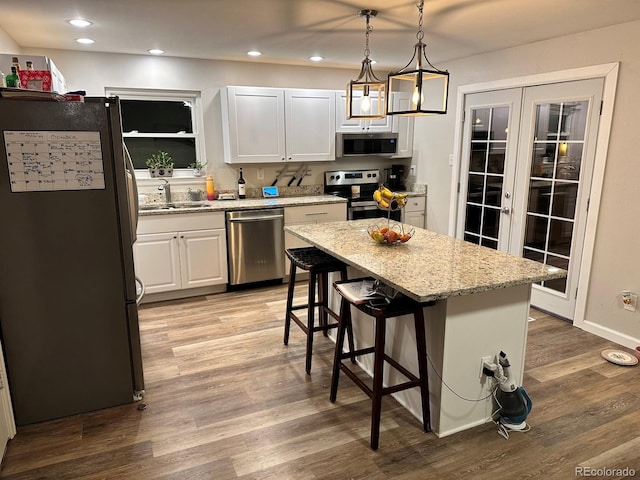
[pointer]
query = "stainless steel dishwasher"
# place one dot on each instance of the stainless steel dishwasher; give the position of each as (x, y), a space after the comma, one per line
(255, 245)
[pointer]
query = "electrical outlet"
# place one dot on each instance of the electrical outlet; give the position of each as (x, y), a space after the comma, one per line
(412, 170)
(260, 174)
(629, 301)
(451, 159)
(483, 360)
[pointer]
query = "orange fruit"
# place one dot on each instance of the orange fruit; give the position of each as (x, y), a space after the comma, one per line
(405, 238)
(384, 230)
(392, 237)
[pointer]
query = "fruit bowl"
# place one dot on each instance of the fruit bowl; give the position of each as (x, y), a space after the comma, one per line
(390, 235)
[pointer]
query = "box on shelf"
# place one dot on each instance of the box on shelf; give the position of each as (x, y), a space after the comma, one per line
(35, 80)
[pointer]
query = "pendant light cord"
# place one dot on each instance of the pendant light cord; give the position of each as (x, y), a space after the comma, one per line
(420, 34)
(368, 32)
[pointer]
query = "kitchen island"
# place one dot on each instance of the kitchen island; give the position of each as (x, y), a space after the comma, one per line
(482, 307)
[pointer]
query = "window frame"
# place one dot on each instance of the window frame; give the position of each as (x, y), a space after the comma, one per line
(192, 96)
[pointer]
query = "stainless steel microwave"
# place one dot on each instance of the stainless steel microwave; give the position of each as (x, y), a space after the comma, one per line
(379, 144)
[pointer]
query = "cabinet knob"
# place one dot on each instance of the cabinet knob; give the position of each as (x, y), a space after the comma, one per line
(175, 236)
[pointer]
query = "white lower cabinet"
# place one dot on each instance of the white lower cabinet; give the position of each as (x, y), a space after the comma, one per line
(328, 212)
(414, 212)
(175, 252)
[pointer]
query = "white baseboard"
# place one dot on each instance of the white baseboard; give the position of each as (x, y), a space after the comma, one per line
(610, 334)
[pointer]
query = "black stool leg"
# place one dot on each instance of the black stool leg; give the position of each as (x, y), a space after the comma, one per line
(343, 325)
(310, 322)
(290, 290)
(323, 302)
(352, 348)
(378, 370)
(421, 343)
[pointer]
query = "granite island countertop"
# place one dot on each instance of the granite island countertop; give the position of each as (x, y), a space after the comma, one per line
(429, 266)
(243, 204)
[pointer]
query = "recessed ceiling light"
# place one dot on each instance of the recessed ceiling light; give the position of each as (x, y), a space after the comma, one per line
(316, 58)
(155, 51)
(254, 53)
(85, 41)
(79, 22)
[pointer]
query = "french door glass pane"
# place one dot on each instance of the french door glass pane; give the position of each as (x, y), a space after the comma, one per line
(486, 175)
(553, 185)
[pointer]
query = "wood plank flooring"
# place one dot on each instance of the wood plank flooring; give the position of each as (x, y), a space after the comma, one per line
(227, 400)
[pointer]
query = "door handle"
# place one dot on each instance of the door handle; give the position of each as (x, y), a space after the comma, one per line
(505, 210)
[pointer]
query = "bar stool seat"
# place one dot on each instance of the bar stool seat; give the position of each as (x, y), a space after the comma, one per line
(401, 305)
(319, 264)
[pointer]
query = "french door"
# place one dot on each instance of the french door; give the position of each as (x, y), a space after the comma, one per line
(526, 170)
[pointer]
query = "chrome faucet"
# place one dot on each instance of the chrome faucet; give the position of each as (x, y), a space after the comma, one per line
(167, 190)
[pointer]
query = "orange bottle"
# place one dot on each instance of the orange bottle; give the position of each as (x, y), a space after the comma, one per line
(210, 188)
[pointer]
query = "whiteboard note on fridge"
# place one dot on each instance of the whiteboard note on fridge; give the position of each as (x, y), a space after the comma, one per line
(54, 160)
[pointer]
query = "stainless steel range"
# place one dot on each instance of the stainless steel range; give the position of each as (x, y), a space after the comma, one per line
(357, 186)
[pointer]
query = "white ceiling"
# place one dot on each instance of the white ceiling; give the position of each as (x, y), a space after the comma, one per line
(289, 31)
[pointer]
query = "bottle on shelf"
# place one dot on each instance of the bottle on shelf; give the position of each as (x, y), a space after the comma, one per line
(3, 81)
(241, 186)
(13, 80)
(29, 65)
(16, 63)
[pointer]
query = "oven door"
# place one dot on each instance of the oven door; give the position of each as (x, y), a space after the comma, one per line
(362, 210)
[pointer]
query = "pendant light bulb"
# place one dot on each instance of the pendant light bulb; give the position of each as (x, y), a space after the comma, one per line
(365, 104)
(417, 96)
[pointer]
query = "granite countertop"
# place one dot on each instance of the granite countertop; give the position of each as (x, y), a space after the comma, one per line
(244, 204)
(429, 266)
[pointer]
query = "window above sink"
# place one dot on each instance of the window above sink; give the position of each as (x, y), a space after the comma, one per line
(170, 121)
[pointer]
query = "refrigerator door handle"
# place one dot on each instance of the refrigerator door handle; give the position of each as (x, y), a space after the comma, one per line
(132, 188)
(142, 289)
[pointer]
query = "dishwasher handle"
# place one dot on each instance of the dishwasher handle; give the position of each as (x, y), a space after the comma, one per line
(255, 219)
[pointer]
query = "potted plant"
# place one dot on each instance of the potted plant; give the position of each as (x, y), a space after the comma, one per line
(160, 164)
(195, 195)
(197, 168)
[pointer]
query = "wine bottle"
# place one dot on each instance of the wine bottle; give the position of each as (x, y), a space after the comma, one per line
(241, 186)
(13, 80)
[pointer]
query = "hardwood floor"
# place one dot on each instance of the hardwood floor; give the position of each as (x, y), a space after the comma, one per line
(227, 400)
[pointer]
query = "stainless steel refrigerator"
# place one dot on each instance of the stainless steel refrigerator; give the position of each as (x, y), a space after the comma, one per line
(68, 313)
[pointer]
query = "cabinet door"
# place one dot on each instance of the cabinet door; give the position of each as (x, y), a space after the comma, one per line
(310, 128)
(203, 258)
(403, 126)
(157, 261)
(345, 125)
(254, 127)
(414, 218)
(414, 212)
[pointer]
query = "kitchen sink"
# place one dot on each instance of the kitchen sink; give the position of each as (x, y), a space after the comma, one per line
(173, 206)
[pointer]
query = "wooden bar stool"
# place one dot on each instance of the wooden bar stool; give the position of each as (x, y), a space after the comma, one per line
(396, 307)
(318, 264)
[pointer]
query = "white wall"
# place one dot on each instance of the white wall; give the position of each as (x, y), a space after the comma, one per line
(616, 263)
(8, 44)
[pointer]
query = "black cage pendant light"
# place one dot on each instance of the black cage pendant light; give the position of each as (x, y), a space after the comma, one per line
(366, 95)
(419, 88)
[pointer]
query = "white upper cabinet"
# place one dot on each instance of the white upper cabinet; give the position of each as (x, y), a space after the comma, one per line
(403, 125)
(354, 125)
(268, 125)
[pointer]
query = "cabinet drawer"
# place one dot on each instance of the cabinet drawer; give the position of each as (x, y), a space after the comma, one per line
(179, 222)
(330, 212)
(415, 204)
